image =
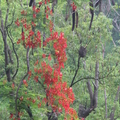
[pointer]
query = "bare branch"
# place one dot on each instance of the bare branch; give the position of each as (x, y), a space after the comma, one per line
(11, 21)
(13, 44)
(21, 3)
(94, 85)
(84, 78)
(10, 55)
(6, 19)
(76, 71)
(115, 21)
(4, 36)
(90, 92)
(105, 103)
(15, 55)
(109, 72)
(27, 58)
(95, 95)
(113, 8)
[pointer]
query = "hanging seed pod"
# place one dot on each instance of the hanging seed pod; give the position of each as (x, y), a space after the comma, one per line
(82, 51)
(73, 20)
(76, 19)
(30, 3)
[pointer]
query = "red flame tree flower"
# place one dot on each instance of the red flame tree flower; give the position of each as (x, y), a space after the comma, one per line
(58, 95)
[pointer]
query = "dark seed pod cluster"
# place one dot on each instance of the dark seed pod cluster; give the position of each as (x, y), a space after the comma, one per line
(82, 51)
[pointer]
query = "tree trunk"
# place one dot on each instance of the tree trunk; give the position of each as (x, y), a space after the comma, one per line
(113, 109)
(100, 6)
(82, 112)
(7, 70)
(4, 36)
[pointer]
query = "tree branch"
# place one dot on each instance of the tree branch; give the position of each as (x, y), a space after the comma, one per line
(90, 93)
(113, 8)
(76, 71)
(114, 108)
(27, 58)
(95, 95)
(15, 55)
(4, 36)
(82, 79)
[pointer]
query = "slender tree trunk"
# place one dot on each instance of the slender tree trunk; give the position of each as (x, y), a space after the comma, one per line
(114, 108)
(100, 6)
(103, 50)
(95, 95)
(4, 36)
(105, 103)
(7, 70)
(82, 112)
(90, 93)
(108, 7)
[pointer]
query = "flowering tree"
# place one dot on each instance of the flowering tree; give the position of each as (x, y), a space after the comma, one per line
(48, 55)
(46, 71)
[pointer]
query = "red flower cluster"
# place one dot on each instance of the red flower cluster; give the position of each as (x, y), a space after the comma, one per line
(46, 1)
(23, 12)
(55, 88)
(17, 23)
(50, 26)
(40, 3)
(35, 42)
(39, 105)
(29, 75)
(58, 95)
(22, 36)
(13, 85)
(74, 7)
(25, 83)
(48, 11)
(11, 116)
(59, 45)
(31, 40)
(36, 10)
(64, 98)
(72, 113)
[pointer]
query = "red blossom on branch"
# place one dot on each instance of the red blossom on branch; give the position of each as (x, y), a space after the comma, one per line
(11, 115)
(58, 95)
(74, 7)
(17, 23)
(40, 3)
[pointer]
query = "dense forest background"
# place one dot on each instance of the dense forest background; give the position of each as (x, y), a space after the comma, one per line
(91, 68)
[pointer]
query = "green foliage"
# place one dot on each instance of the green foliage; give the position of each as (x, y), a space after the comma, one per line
(101, 34)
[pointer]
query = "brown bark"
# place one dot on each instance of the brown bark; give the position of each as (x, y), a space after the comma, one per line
(113, 2)
(54, 2)
(90, 93)
(21, 82)
(100, 6)
(4, 36)
(116, 99)
(95, 95)
(103, 50)
(82, 112)
(105, 103)
(108, 7)
(10, 55)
